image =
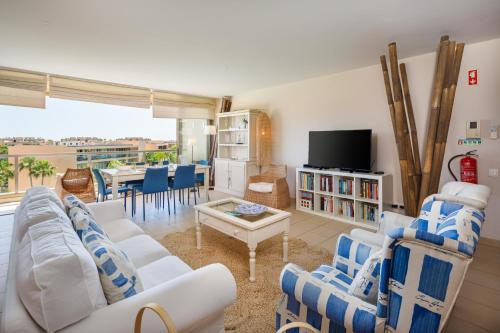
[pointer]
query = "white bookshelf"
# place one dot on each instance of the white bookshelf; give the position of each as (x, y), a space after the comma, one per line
(351, 203)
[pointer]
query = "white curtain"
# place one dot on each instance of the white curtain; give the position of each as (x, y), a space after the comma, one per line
(22, 88)
(180, 106)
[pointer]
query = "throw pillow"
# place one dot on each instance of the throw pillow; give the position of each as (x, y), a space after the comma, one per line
(82, 221)
(71, 201)
(463, 225)
(56, 278)
(119, 278)
(365, 283)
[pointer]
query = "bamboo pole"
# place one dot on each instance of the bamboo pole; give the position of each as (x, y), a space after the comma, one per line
(412, 125)
(445, 116)
(404, 146)
(434, 119)
(388, 92)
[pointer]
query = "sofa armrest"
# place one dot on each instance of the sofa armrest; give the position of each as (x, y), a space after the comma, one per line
(391, 220)
(327, 300)
(107, 211)
(192, 300)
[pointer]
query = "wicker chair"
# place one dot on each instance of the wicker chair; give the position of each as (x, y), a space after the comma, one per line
(279, 197)
(80, 183)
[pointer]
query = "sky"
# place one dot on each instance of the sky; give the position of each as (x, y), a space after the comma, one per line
(65, 118)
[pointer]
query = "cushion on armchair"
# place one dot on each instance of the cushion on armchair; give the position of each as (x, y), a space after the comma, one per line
(365, 283)
(261, 187)
(463, 225)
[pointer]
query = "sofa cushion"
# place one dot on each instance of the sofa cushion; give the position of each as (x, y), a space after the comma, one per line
(121, 229)
(333, 276)
(162, 270)
(142, 249)
(37, 211)
(40, 192)
(83, 221)
(463, 225)
(119, 278)
(261, 187)
(365, 283)
(56, 277)
(71, 201)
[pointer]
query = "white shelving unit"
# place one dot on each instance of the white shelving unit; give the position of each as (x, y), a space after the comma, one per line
(353, 198)
(235, 160)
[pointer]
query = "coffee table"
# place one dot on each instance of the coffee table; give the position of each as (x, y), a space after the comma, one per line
(248, 229)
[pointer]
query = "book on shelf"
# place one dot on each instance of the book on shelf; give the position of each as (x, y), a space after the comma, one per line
(307, 181)
(369, 212)
(326, 204)
(346, 208)
(345, 186)
(369, 189)
(325, 183)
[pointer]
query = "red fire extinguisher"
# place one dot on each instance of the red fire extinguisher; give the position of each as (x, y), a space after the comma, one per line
(468, 167)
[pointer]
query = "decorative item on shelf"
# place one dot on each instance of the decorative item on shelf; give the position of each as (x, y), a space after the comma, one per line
(244, 123)
(226, 104)
(250, 209)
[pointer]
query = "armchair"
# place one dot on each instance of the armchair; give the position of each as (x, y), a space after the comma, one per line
(435, 208)
(269, 188)
(420, 273)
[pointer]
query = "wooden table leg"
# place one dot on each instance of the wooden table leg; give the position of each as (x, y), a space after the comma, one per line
(285, 246)
(252, 262)
(198, 230)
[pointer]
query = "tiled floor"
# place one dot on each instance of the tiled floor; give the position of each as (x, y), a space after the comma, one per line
(477, 309)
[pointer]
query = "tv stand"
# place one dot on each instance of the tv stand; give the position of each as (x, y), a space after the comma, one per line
(351, 197)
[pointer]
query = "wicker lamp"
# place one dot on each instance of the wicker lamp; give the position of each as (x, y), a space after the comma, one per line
(264, 140)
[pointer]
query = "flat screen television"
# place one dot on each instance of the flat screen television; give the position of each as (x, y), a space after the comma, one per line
(345, 149)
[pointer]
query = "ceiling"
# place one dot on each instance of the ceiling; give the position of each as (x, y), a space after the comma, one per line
(225, 47)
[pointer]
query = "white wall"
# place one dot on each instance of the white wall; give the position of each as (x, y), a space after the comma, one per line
(356, 100)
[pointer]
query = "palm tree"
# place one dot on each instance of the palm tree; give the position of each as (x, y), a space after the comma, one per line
(27, 163)
(43, 168)
(5, 174)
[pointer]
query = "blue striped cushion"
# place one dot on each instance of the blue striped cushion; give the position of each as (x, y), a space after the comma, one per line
(119, 278)
(463, 225)
(433, 213)
(71, 201)
(83, 221)
(365, 284)
(333, 276)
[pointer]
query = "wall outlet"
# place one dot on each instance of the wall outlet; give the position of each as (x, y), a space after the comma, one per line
(493, 172)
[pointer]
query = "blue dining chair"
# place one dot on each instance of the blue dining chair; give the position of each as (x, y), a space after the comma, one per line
(200, 177)
(104, 191)
(183, 179)
(155, 183)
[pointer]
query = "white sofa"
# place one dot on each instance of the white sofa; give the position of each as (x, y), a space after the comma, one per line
(195, 299)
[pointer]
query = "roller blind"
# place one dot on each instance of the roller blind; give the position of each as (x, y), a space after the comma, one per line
(99, 92)
(179, 106)
(22, 88)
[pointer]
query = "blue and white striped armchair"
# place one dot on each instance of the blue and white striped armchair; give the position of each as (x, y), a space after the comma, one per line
(418, 271)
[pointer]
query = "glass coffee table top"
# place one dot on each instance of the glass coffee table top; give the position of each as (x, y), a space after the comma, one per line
(228, 207)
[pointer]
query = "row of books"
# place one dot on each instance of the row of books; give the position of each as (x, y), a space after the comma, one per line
(345, 186)
(346, 208)
(369, 212)
(326, 183)
(306, 181)
(326, 204)
(369, 189)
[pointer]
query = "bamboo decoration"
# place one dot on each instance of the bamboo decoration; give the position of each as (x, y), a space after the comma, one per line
(445, 116)
(413, 127)
(434, 120)
(418, 181)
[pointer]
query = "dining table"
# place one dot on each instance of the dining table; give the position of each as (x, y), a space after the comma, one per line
(120, 175)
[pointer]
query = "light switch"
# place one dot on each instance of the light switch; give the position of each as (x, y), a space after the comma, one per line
(493, 172)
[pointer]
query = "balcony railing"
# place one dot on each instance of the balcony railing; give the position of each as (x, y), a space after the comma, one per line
(19, 179)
